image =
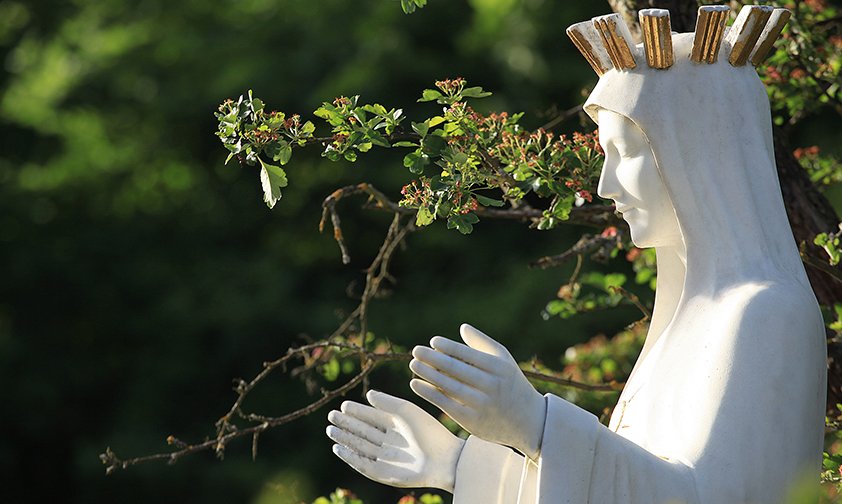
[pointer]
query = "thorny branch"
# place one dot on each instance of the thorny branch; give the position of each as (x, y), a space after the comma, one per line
(810, 259)
(587, 243)
(376, 274)
(598, 216)
(604, 387)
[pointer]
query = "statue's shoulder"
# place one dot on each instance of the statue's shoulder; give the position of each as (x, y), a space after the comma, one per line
(775, 307)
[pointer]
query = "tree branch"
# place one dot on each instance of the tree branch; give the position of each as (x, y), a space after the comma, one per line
(586, 243)
(228, 432)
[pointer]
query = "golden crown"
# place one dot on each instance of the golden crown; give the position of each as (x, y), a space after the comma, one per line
(606, 42)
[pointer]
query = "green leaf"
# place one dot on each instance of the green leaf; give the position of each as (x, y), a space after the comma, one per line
(444, 207)
(430, 498)
(615, 280)
(485, 201)
(416, 161)
(421, 128)
(424, 217)
(433, 145)
(605, 282)
(377, 139)
(435, 121)
(354, 137)
(307, 129)
(331, 369)
(284, 152)
(376, 109)
(430, 94)
(272, 178)
(561, 209)
(546, 223)
(821, 239)
(350, 155)
(405, 144)
(463, 222)
(475, 92)
(460, 158)
(408, 6)
(332, 153)
(328, 113)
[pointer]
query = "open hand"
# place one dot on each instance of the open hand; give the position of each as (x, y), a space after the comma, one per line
(482, 387)
(395, 442)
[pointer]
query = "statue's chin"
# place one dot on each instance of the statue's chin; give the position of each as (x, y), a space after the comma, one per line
(646, 237)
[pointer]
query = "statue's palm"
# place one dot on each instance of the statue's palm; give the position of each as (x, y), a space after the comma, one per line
(395, 442)
(482, 387)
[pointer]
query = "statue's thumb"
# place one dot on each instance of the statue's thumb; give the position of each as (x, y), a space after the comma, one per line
(478, 340)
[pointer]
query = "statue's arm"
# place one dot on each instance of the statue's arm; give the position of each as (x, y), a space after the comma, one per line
(488, 473)
(584, 461)
(581, 461)
(571, 456)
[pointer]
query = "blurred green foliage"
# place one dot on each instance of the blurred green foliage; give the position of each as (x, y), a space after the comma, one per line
(141, 275)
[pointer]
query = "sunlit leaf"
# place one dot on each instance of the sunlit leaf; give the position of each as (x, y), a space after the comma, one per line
(272, 178)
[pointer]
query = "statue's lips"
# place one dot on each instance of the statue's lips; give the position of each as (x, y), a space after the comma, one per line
(622, 208)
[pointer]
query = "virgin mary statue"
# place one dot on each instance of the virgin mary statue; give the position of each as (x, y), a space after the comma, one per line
(726, 402)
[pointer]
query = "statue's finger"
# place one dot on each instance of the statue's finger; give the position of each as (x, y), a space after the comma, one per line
(367, 414)
(356, 426)
(481, 341)
(455, 409)
(365, 465)
(456, 368)
(485, 361)
(461, 392)
(358, 445)
(392, 405)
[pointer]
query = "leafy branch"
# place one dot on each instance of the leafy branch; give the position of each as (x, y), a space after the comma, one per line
(481, 162)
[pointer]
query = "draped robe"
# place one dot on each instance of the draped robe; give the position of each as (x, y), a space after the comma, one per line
(726, 401)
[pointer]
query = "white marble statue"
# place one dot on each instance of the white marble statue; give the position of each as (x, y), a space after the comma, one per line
(726, 401)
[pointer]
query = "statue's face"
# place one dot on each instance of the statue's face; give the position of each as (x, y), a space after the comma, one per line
(630, 178)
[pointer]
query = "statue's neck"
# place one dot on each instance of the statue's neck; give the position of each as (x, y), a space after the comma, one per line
(671, 272)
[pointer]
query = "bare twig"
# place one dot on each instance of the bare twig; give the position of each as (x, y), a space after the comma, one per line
(586, 243)
(604, 387)
(329, 207)
(376, 274)
(822, 265)
(379, 269)
(227, 432)
(647, 315)
(560, 118)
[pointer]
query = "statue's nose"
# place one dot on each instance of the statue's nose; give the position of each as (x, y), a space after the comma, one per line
(608, 187)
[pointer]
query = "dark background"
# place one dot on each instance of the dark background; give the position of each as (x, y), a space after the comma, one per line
(139, 275)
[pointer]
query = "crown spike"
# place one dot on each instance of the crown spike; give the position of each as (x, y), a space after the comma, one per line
(710, 27)
(657, 37)
(617, 40)
(585, 37)
(771, 31)
(747, 28)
